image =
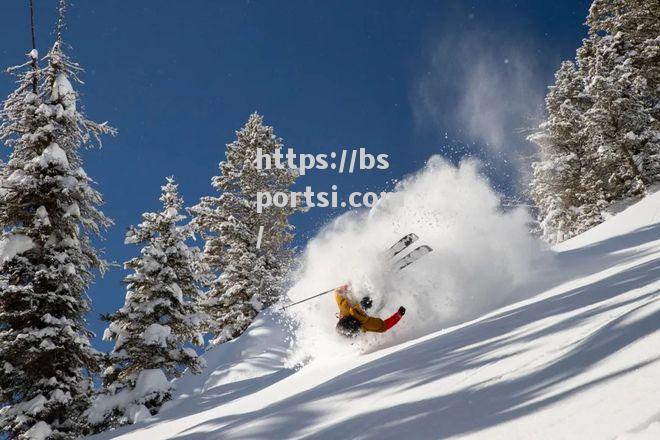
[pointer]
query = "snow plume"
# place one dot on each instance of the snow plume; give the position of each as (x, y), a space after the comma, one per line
(481, 253)
(483, 89)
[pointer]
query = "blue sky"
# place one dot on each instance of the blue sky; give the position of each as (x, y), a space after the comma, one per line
(406, 78)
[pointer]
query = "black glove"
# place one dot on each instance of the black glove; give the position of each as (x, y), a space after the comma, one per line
(402, 310)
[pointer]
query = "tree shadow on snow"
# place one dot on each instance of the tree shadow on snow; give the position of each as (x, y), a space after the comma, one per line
(462, 352)
(576, 263)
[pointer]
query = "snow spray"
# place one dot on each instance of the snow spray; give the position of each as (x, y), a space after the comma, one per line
(481, 253)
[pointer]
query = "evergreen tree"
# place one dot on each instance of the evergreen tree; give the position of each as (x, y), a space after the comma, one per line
(159, 317)
(601, 141)
(48, 211)
(623, 82)
(564, 188)
(249, 278)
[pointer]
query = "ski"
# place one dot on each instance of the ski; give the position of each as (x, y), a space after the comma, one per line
(411, 257)
(397, 265)
(400, 245)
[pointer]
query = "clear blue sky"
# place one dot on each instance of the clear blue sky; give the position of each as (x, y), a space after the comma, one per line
(407, 78)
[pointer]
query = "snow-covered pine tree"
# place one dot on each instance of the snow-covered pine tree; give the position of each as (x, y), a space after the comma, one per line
(160, 316)
(624, 77)
(612, 123)
(564, 188)
(249, 278)
(48, 210)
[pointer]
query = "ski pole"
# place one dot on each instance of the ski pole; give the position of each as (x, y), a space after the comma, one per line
(307, 299)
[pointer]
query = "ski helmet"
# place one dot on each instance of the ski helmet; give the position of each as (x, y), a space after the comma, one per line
(366, 303)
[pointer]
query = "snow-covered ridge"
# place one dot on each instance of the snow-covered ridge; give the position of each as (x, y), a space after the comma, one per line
(577, 359)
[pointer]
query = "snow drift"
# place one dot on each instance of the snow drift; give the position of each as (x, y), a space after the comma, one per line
(481, 253)
(577, 359)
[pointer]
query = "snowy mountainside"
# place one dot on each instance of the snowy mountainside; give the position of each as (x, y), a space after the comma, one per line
(576, 358)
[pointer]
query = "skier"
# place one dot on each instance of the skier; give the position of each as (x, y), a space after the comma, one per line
(353, 317)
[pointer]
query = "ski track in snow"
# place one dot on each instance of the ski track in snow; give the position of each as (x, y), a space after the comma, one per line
(577, 359)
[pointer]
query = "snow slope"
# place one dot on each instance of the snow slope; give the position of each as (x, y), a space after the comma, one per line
(577, 359)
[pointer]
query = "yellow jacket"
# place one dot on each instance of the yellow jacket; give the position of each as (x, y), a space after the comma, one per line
(367, 323)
